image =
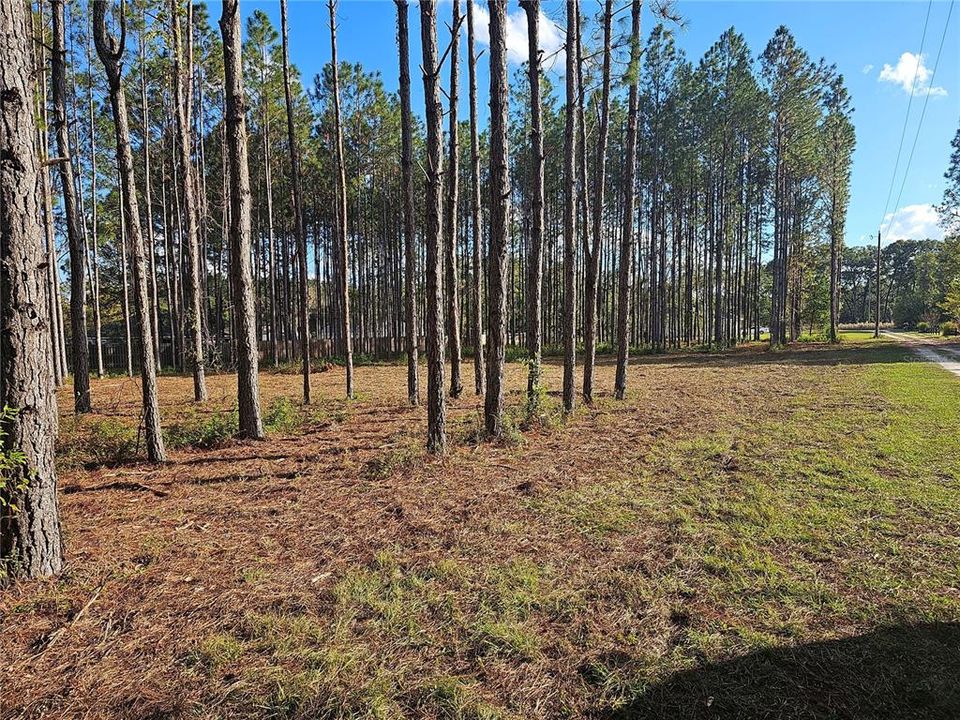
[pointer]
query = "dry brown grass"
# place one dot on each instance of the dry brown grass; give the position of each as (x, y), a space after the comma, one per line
(337, 571)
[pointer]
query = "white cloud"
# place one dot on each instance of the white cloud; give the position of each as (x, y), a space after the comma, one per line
(867, 69)
(911, 75)
(551, 37)
(913, 222)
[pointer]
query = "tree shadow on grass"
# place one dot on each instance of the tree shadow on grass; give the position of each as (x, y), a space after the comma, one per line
(894, 673)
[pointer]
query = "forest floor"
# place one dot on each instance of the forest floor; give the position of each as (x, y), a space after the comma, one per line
(751, 534)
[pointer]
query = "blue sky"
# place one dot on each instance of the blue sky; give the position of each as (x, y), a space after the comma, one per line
(866, 40)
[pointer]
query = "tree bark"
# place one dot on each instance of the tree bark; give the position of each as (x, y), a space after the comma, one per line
(248, 380)
(148, 197)
(499, 218)
(436, 399)
(409, 237)
(299, 229)
(535, 259)
(626, 239)
(451, 208)
(124, 270)
(570, 213)
(78, 284)
(93, 260)
(57, 337)
(30, 540)
(193, 331)
(479, 365)
(592, 258)
(110, 51)
(835, 240)
(341, 207)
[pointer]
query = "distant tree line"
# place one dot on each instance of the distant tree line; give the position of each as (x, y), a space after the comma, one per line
(917, 278)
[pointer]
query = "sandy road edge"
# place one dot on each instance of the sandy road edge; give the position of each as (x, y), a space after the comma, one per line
(947, 358)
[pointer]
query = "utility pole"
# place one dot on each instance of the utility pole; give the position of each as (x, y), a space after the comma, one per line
(876, 328)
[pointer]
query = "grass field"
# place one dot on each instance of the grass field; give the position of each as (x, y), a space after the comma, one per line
(751, 534)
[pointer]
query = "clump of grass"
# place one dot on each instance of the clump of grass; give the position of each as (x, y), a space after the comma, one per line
(474, 432)
(595, 510)
(203, 431)
(327, 691)
(283, 415)
(218, 650)
(106, 442)
(392, 461)
(390, 599)
(508, 638)
(539, 412)
(814, 336)
(452, 698)
(252, 575)
(508, 596)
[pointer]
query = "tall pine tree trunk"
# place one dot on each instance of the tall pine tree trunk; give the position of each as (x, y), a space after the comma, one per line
(479, 365)
(193, 332)
(626, 239)
(299, 229)
(273, 282)
(248, 380)
(342, 249)
(570, 212)
(535, 259)
(835, 240)
(599, 185)
(436, 399)
(93, 260)
(148, 196)
(451, 208)
(111, 52)
(409, 230)
(57, 337)
(78, 284)
(499, 218)
(124, 269)
(30, 541)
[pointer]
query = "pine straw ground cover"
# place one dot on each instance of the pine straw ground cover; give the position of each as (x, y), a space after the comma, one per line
(751, 534)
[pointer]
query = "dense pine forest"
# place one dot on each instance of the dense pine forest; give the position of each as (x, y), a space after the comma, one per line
(740, 185)
(577, 330)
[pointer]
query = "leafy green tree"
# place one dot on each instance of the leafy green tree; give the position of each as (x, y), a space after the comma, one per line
(949, 209)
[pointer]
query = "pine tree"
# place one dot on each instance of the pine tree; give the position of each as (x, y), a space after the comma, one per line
(499, 220)
(247, 351)
(436, 398)
(626, 240)
(535, 260)
(451, 208)
(30, 539)
(342, 248)
(78, 285)
(110, 51)
(479, 362)
(592, 249)
(298, 226)
(838, 142)
(183, 104)
(570, 209)
(409, 229)
(949, 209)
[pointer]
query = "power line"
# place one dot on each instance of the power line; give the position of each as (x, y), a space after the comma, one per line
(923, 111)
(906, 118)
